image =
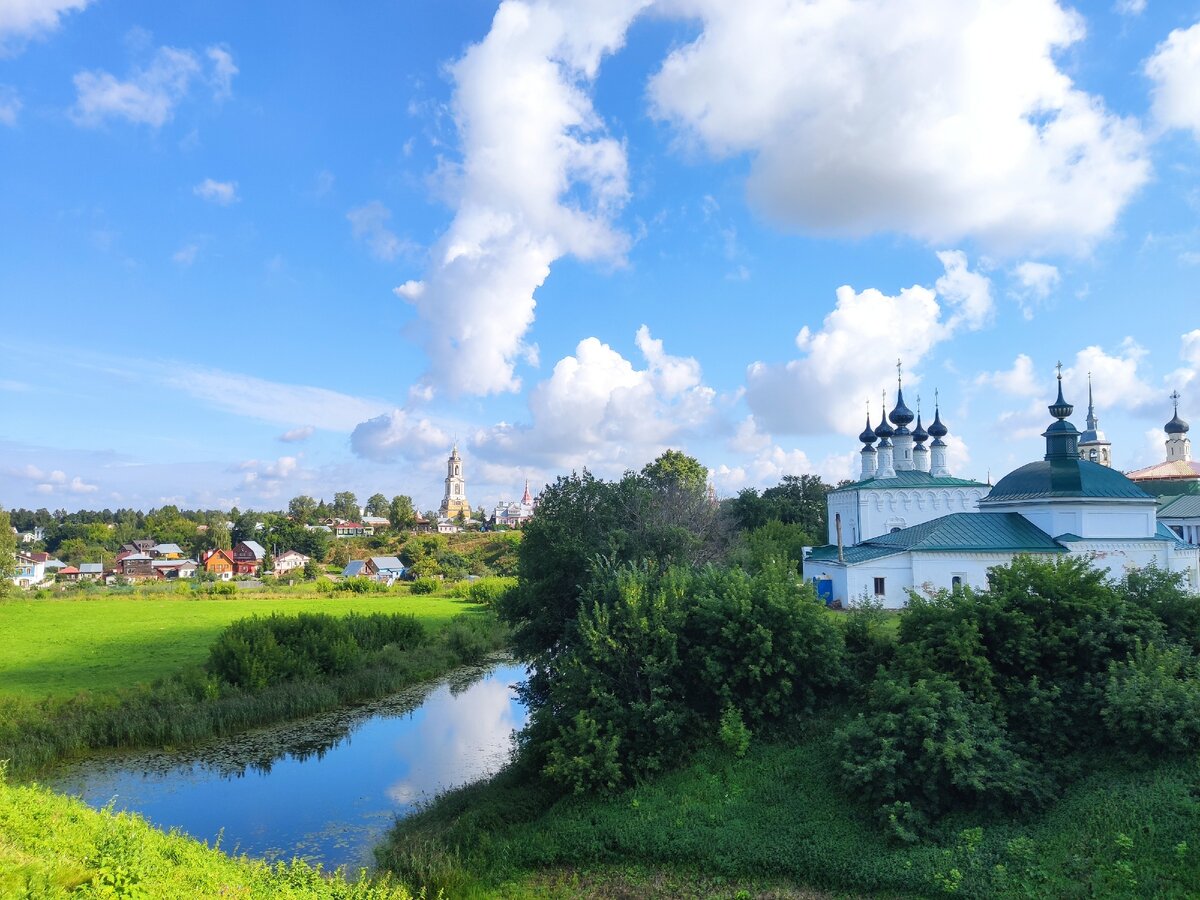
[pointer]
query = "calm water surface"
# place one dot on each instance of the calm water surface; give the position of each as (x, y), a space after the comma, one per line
(324, 788)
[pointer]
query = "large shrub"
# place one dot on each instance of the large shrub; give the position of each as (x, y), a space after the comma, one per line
(924, 747)
(1152, 701)
(659, 658)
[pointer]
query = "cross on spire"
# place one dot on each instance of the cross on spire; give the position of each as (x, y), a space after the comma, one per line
(1059, 368)
(899, 371)
(1175, 399)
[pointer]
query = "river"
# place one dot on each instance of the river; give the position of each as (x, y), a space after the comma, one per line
(325, 788)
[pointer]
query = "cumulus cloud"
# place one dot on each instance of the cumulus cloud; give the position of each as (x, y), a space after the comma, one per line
(1019, 381)
(936, 118)
(598, 409)
(369, 224)
(10, 105)
(1035, 281)
(1130, 7)
(222, 193)
(399, 434)
(1175, 70)
(24, 19)
(54, 481)
(841, 368)
(539, 179)
(266, 477)
(150, 94)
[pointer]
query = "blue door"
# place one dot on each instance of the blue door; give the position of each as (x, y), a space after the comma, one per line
(824, 588)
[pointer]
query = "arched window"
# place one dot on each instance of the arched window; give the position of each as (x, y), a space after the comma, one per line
(897, 528)
(956, 582)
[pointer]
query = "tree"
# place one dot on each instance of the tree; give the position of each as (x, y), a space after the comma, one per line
(676, 469)
(220, 535)
(345, 505)
(268, 563)
(8, 553)
(312, 570)
(339, 555)
(401, 513)
(302, 509)
(377, 505)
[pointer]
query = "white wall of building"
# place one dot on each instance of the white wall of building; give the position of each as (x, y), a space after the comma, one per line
(1091, 519)
(869, 513)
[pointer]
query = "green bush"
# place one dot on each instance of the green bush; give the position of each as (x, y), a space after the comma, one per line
(733, 733)
(255, 652)
(924, 748)
(1152, 701)
(361, 584)
(424, 585)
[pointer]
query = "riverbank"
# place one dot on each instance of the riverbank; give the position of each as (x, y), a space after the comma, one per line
(189, 706)
(52, 846)
(778, 823)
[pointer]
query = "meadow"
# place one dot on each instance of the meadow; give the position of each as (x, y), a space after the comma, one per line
(104, 642)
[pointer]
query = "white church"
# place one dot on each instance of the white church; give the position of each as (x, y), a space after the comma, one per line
(908, 524)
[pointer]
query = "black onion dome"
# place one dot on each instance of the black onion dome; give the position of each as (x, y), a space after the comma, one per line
(937, 429)
(883, 429)
(920, 435)
(901, 415)
(1176, 425)
(868, 436)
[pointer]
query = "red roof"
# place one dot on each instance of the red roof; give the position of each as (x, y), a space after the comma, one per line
(68, 570)
(349, 525)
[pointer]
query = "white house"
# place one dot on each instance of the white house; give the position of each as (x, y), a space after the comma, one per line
(28, 570)
(1059, 505)
(289, 561)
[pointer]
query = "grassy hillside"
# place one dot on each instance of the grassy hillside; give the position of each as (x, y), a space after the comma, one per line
(779, 816)
(58, 648)
(53, 846)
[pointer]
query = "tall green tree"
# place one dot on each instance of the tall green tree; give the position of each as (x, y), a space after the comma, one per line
(345, 505)
(302, 509)
(674, 469)
(377, 505)
(401, 513)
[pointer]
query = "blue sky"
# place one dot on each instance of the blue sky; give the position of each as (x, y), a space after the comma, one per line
(255, 252)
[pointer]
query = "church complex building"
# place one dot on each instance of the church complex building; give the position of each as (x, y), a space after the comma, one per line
(908, 524)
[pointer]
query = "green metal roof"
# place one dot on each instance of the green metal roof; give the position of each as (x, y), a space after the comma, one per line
(1186, 506)
(958, 532)
(1064, 477)
(1161, 533)
(910, 478)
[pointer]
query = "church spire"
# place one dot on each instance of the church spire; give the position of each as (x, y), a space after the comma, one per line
(1093, 445)
(1062, 440)
(1179, 445)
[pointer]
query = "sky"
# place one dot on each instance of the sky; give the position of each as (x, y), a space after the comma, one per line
(255, 251)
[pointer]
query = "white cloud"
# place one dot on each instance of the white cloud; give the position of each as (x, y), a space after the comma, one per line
(598, 410)
(10, 105)
(150, 94)
(369, 223)
(539, 179)
(1036, 281)
(223, 70)
(1175, 70)
(1038, 278)
(1130, 7)
(79, 486)
(295, 435)
(51, 482)
(968, 292)
(185, 255)
(266, 478)
(270, 401)
(1019, 381)
(936, 118)
(222, 193)
(826, 388)
(24, 19)
(398, 434)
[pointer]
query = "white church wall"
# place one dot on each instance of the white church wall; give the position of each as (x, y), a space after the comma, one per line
(869, 513)
(937, 571)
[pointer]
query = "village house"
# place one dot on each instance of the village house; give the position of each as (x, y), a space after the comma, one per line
(354, 568)
(174, 568)
(28, 571)
(218, 564)
(376, 522)
(136, 565)
(384, 568)
(351, 529)
(248, 557)
(289, 561)
(68, 573)
(91, 571)
(166, 551)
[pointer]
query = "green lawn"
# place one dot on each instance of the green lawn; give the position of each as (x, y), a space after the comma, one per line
(61, 647)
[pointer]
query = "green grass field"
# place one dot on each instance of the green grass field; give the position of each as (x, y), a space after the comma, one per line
(59, 648)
